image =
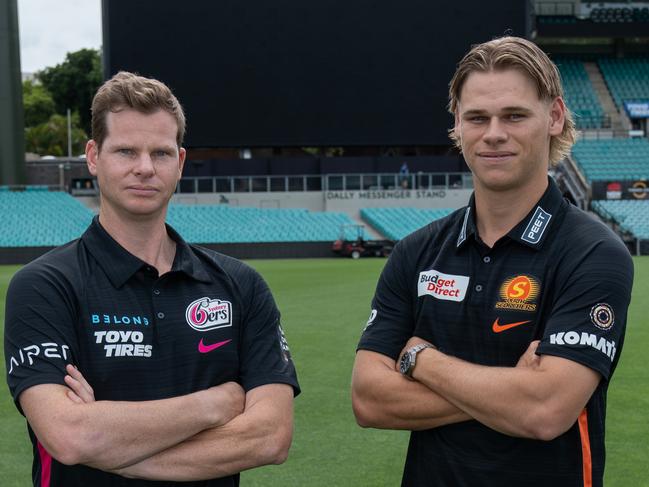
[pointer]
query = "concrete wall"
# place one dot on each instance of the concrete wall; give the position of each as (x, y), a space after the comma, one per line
(281, 250)
(349, 202)
(352, 202)
(311, 200)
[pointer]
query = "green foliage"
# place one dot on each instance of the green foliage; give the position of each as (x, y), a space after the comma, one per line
(51, 137)
(324, 305)
(37, 103)
(74, 82)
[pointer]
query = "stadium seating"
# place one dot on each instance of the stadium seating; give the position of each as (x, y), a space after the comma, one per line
(620, 14)
(396, 223)
(632, 216)
(607, 159)
(225, 224)
(37, 217)
(580, 95)
(626, 79)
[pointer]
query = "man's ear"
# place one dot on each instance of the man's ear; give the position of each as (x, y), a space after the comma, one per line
(182, 154)
(92, 152)
(557, 116)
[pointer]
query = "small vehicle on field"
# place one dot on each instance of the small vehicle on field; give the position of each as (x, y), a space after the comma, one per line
(352, 243)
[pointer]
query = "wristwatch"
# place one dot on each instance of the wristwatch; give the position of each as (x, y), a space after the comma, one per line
(407, 361)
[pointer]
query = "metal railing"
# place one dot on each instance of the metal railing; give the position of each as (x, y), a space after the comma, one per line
(325, 182)
(554, 8)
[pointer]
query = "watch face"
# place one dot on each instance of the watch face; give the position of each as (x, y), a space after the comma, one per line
(404, 364)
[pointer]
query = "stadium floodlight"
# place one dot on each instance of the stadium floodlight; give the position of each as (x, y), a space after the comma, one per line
(12, 137)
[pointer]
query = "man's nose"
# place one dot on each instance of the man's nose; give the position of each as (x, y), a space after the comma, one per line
(495, 131)
(144, 165)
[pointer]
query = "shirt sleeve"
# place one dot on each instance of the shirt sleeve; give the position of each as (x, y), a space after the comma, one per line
(39, 329)
(391, 321)
(265, 354)
(588, 319)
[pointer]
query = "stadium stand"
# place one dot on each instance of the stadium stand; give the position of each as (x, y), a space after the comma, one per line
(631, 216)
(225, 224)
(37, 217)
(620, 14)
(580, 95)
(606, 159)
(626, 79)
(396, 223)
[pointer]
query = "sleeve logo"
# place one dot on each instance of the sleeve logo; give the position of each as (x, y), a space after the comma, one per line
(447, 287)
(47, 350)
(283, 344)
(602, 316)
(370, 320)
(207, 314)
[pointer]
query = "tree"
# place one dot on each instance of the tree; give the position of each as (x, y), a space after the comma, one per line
(51, 137)
(38, 104)
(74, 82)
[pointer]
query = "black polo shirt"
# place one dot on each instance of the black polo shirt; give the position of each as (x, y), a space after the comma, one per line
(559, 276)
(138, 336)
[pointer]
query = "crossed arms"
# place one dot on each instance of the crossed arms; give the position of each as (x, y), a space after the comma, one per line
(541, 397)
(212, 433)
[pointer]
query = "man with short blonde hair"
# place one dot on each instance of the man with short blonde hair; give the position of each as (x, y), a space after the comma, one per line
(495, 331)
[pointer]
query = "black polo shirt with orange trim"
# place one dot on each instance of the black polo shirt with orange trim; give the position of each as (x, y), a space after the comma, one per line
(136, 335)
(559, 276)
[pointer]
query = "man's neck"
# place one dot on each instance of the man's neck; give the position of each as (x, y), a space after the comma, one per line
(147, 239)
(498, 212)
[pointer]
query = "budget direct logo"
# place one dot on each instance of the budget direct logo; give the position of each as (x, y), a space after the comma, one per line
(448, 287)
(207, 314)
(519, 293)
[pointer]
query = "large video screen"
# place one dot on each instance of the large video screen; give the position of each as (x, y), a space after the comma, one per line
(281, 73)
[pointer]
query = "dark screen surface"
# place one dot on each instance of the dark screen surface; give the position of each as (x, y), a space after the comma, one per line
(253, 73)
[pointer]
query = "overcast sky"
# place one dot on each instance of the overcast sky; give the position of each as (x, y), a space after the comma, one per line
(51, 28)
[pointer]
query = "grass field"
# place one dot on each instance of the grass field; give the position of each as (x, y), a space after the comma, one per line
(325, 304)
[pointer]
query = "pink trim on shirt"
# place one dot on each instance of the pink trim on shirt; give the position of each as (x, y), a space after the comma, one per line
(46, 465)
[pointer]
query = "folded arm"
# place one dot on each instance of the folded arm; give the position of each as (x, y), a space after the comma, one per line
(384, 398)
(111, 434)
(540, 398)
(261, 435)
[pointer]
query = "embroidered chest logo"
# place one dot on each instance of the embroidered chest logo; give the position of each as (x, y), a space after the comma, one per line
(207, 314)
(519, 293)
(442, 286)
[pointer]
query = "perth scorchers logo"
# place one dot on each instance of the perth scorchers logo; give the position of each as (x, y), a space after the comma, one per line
(519, 293)
(207, 314)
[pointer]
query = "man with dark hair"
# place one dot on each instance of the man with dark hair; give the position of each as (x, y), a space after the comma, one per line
(495, 331)
(135, 356)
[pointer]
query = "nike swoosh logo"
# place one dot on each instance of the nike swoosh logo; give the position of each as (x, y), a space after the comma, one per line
(208, 348)
(497, 327)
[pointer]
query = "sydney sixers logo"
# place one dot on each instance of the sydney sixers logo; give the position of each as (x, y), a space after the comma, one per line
(207, 314)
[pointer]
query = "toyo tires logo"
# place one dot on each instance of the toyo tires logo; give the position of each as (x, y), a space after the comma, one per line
(207, 314)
